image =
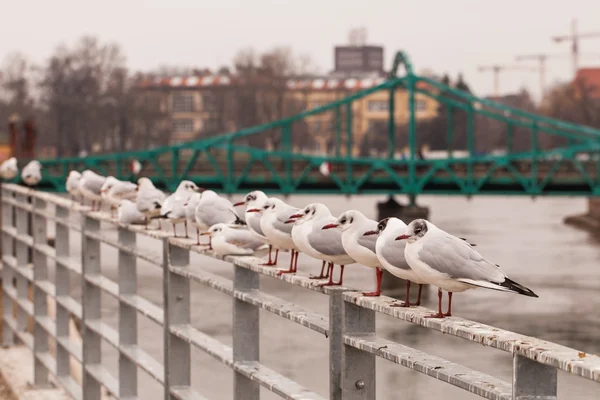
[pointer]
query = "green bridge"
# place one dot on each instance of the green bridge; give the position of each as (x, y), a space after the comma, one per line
(229, 163)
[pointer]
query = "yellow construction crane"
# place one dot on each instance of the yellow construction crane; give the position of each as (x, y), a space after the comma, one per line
(574, 38)
(496, 70)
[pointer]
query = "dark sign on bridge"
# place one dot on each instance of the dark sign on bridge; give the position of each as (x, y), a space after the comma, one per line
(353, 59)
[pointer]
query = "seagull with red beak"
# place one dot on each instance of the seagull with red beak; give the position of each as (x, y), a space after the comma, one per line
(452, 264)
(254, 201)
(353, 225)
(275, 213)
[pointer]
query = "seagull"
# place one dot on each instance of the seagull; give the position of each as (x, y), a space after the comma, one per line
(32, 173)
(127, 213)
(190, 214)
(214, 209)
(72, 184)
(90, 185)
(353, 225)
(253, 200)
(275, 213)
(173, 206)
(228, 240)
(452, 264)
(149, 199)
(9, 169)
(113, 191)
(391, 255)
(326, 245)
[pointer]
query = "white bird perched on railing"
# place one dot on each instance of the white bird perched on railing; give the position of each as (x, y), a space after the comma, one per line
(325, 244)
(90, 185)
(213, 209)
(72, 184)
(113, 191)
(9, 169)
(173, 207)
(353, 225)
(257, 199)
(452, 264)
(275, 213)
(228, 240)
(391, 254)
(32, 173)
(149, 199)
(190, 215)
(127, 213)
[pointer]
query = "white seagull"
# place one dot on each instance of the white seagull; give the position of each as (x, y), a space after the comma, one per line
(452, 264)
(227, 240)
(90, 185)
(353, 225)
(326, 245)
(9, 169)
(32, 173)
(72, 184)
(213, 209)
(190, 214)
(113, 191)
(127, 213)
(173, 206)
(391, 255)
(256, 200)
(149, 199)
(275, 213)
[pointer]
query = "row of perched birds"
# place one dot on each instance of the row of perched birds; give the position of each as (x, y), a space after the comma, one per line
(418, 252)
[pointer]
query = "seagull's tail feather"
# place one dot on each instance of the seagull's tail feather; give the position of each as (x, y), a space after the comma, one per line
(238, 220)
(517, 288)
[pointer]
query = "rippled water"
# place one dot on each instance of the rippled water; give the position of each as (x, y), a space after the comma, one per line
(526, 238)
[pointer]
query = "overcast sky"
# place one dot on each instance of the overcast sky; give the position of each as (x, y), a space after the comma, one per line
(442, 35)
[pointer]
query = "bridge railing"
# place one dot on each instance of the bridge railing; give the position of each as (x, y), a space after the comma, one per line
(349, 326)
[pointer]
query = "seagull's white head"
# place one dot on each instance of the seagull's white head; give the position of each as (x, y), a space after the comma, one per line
(12, 162)
(312, 211)
(216, 230)
(254, 199)
(74, 174)
(144, 183)
(188, 186)
(414, 231)
(108, 184)
(347, 220)
(271, 205)
(388, 226)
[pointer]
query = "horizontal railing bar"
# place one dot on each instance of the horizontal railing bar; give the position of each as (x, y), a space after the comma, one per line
(48, 215)
(25, 271)
(538, 350)
(255, 371)
(25, 304)
(12, 231)
(47, 197)
(143, 306)
(67, 302)
(186, 393)
(25, 337)
(66, 382)
(72, 348)
(143, 254)
(135, 353)
(103, 377)
(262, 300)
(443, 370)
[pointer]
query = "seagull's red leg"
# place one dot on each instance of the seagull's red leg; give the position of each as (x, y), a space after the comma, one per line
(406, 299)
(210, 243)
(276, 255)
(322, 274)
(269, 263)
(174, 230)
(419, 296)
(440, 314)
(449, 313)
(291, 269)
(296, 261)
(341, 280)
(198, 236)
(186, 231)
(377, 292)
(330, 273)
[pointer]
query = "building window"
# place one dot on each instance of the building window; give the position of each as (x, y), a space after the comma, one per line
(208, 102)
(378, 105)
(183, 103)
(420, 105)
(183, 125)
(377, 126)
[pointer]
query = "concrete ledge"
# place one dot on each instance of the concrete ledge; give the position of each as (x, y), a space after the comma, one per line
(16, 367)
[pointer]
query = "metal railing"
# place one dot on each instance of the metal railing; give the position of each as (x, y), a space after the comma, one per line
(349, 327)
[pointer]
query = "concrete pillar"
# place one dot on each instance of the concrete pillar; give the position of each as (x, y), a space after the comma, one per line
(589, 221)
(395, 287)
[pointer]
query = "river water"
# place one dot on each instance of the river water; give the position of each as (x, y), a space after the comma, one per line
(527, 238)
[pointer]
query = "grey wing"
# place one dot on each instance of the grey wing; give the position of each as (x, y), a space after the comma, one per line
(393, 253)
(94, 184)
(243, 238)
(255, 225)
(368, 241)
(283, 216)
(216, 212)
(328, 242)
(456, 258)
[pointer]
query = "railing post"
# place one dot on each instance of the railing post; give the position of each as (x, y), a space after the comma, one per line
(40, 305)
(246, 337)
(22, 261)
(8, 249)
(90, 302)
(62, 283)
(532, 380)
(127, 315)
(358, 367)
(335, 344)
(176, 296)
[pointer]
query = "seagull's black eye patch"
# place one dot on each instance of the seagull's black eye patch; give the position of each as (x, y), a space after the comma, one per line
(343, 220)
(418, 230)
(351, 219)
